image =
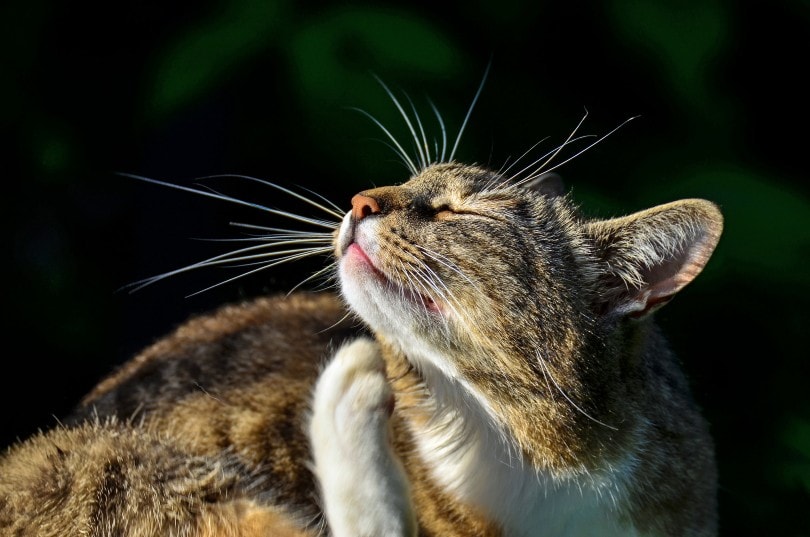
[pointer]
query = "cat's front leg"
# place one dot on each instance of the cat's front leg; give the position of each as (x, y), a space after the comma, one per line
(364, 488)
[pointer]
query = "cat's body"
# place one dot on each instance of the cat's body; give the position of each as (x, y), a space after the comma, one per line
(526, 388)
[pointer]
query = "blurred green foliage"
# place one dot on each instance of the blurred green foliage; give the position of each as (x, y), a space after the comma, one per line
(795, 472)
(178, 91)
(683, 41)
(206, 53)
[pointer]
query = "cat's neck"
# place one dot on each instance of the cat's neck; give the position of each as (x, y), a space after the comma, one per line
(467, 452)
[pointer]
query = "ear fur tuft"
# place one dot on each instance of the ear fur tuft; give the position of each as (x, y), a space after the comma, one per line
(649, 256)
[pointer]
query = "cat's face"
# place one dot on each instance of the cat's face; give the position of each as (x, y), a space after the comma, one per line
(460, 262)
(456, 258)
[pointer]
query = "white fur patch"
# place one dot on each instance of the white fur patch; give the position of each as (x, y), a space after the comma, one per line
(470, 458)
(364, 488)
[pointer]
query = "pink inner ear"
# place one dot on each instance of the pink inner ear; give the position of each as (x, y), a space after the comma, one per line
(670, 276)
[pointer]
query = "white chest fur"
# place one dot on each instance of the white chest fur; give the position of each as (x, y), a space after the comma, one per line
(470, 458)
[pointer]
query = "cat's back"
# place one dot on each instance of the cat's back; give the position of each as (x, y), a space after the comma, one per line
(222, 353)
(203, 427)
(107, 477)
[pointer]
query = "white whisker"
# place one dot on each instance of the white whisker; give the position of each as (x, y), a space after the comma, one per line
(553, 153)
(336, 213)
(348, 314)
(235, 263)
(431, 290)
(414, 287)
(541, 171)
(285, 239)
(444, 260)
(430, 278)
(312, 221)
(560, 148)
(291, 232)
(469, 112)
(399, 150)
(547, 373)
(268, 250)
(340, 210)
(222, 259)
(263, 267)
(393, 98)
(428, 158)
(147, 281)
(505, 171)
(444, 131)
(311, 277)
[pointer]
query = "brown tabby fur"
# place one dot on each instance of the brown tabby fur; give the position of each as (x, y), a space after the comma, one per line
(204, 432)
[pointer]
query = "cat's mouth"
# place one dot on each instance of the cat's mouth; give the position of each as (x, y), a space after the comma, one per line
(355, 254)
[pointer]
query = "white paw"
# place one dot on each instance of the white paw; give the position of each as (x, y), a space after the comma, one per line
(353, 399)
(364, 488)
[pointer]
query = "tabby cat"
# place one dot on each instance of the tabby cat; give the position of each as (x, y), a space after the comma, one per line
(507, 379)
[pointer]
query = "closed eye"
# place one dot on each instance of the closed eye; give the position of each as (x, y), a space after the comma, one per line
(444, 211)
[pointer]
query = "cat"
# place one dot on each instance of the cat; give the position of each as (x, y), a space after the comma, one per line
(507, 378)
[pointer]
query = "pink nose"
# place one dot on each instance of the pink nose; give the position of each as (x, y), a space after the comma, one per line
(363, 206)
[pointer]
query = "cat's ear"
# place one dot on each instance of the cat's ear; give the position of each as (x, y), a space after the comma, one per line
(549, 184)
(647, 257)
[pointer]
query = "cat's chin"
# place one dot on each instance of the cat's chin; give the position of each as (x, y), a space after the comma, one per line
(375, 296)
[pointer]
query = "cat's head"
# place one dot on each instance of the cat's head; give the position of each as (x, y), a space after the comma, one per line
(459, 259)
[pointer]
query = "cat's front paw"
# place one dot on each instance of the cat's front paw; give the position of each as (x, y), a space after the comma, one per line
(364, 488)
(353, 399)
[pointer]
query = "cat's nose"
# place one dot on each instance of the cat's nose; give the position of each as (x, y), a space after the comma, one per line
(363, 206)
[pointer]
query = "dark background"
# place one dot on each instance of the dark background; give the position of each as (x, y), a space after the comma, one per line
(175, 92)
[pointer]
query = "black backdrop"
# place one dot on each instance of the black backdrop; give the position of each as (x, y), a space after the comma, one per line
(178, 91)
